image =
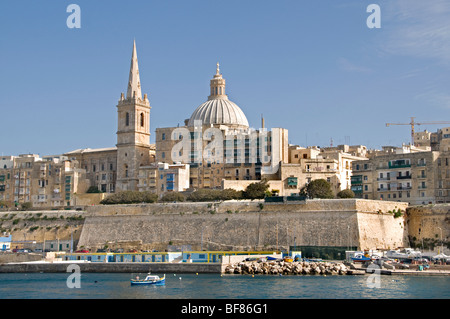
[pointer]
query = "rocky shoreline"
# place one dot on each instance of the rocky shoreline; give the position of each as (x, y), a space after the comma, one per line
(288, 268)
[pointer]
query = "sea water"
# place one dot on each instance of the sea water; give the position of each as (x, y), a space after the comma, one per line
(216, 286)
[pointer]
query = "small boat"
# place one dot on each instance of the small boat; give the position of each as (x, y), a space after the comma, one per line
(288, 259)
(406, 253)
(360, 257)
(149, 280)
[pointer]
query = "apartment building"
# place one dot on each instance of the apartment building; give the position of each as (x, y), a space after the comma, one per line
(160, 178)
(45, 182)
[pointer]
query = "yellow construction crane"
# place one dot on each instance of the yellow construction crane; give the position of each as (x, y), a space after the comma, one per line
(412, 123)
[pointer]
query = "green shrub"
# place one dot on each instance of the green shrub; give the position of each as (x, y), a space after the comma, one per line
(346, 193)
(27, 206)
(93, 189)
(173, 197)
(130, 197)
(318, 188)
(256, 190)
(205, 195)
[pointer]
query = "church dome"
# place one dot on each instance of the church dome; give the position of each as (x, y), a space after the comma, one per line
(219, 109)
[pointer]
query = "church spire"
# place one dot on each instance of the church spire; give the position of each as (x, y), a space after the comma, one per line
(134, 82)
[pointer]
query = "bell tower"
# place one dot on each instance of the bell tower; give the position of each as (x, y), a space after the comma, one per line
(133, 130)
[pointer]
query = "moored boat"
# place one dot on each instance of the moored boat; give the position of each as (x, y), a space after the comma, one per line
(360, 257)
(406, 253)
(149, 280)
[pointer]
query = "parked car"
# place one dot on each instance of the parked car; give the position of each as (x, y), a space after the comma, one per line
(84, 251)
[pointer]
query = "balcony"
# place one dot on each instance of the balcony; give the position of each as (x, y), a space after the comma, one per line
(357, 179)
(404, 177)
(399, 164)
(401, 188)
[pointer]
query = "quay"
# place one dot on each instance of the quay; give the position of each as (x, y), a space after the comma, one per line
(114, 267)
(194, 267)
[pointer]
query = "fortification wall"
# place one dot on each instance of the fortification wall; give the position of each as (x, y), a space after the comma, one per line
(429, 226)
(247, 225)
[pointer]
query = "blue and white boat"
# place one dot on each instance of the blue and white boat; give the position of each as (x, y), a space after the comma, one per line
(149, 280)
(361, 257)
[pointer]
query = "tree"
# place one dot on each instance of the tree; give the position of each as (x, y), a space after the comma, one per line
(173, 197)
(93, 189)
(319, 188)
(256, 190)
(346, 193)
(27, 206)
(130, 197)
(205, 195)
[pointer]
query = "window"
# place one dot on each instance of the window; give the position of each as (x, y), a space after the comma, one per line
(163, 136)
(142, 119)
(127, 119)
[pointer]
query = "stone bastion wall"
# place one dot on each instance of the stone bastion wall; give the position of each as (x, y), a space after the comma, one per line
(247, 225)
(429, 227)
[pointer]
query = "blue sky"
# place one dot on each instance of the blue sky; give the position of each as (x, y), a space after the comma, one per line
(313, 67)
